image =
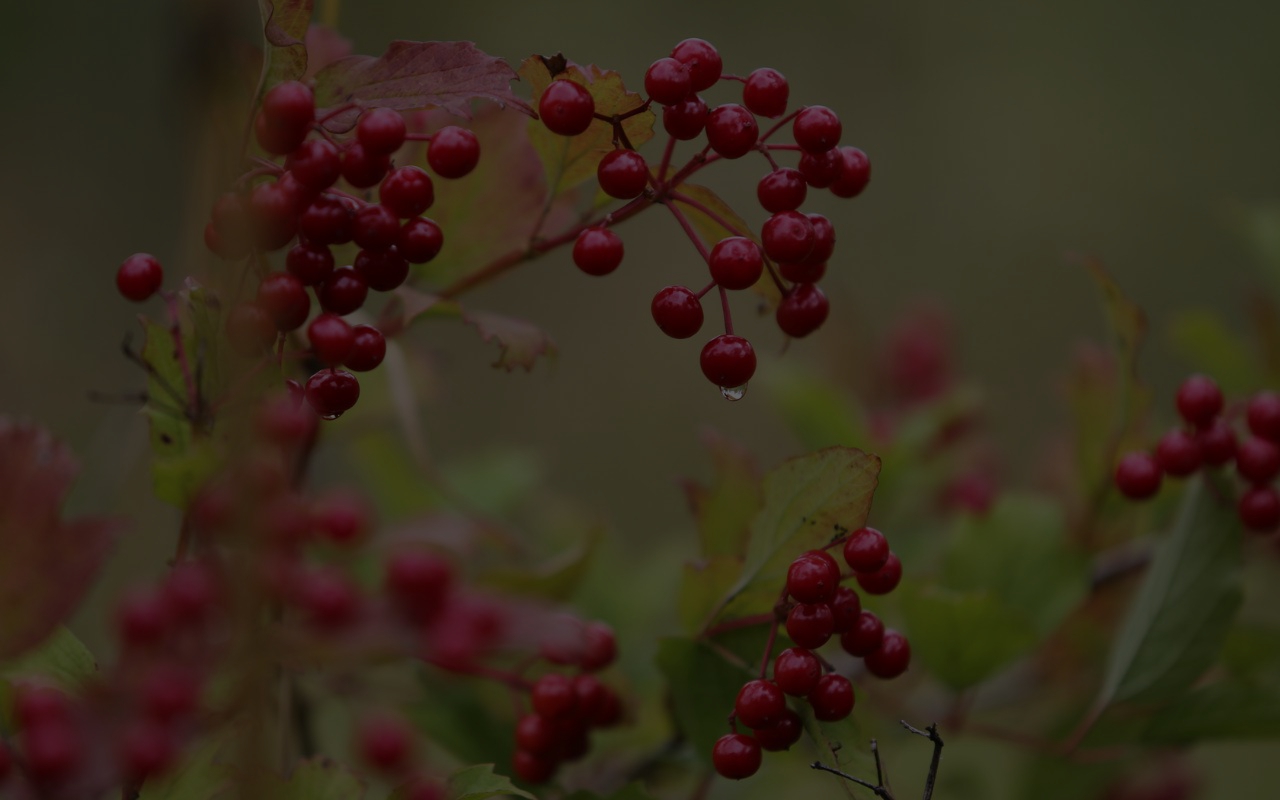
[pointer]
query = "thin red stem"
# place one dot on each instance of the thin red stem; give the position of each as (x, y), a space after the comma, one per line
(724, 309)
(665, 164)
(716, 218)
(689, 231)
(739, 623)
(764, 137)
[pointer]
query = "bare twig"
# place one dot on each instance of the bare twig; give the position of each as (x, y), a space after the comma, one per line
(881, 790)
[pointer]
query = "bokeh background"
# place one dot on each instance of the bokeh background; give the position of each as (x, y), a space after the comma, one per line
(1005, 137)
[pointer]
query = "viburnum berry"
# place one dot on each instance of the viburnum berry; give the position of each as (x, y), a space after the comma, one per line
(687, 119)
(532, 768)
(376, 227)
(1138, 476)
(1259, 508)
(142, 617)
(327, 221)
(285, 300)
(341, 517)
(891, 658)
(855, 173)
(810, 625)
(1257, 460)
(331, 338)
(703, 61)
(553, 696)
(803, 273)
(783, 189)
(383, 270)
(732, 130)
(301, 194)
(787, 236)
(782, 734)
(169, 692)
(813, 578)
(368, 348)
(277, 140)
(362, 167)
(824, 240)
(537, 734)
(765, 92)
(600, 647)
(821, 169)
(566, 107)
(667, 81)
(331, 392)
(802, 311)
(139, 277)
(146, 749)
(1217, 442)
(736, 263)
(250, 329)
(227, 234)
(796, 671)
(381, 130)
(309, 262)
(1178, 453)
(420, 240)
(623, 174)
(385, 743)
(329, 598)
(816, 129)
(190, 591)
(597, 251)
(315, 164)
(406, 192)
(273, 214)
(760, 703)
(678, 311)
(343, 291)
(832, 699)
(865, 635)
(1263, 413)
(281, 421)
(883, 580)
(290, 104)
(453, 152)
(845, 609)
(728, 361)
(736, 756)
(51, 752)
(866, 550)
(418, 582)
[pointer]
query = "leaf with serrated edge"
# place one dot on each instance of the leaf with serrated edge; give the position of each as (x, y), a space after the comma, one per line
(519, 342)
(1224, 711)
(412, 75)
(1178, 620)
(408, 305)
(964, 637)
(809, 501)
(479, 782)
(284, 29)
(48, 563)
(572, 160)
(703, 690)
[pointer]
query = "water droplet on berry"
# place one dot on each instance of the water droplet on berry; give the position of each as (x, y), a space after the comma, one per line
(733, 393)
(330, 417)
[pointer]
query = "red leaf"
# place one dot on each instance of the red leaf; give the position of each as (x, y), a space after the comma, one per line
(48, 562)
(284, 26)
(447, 75)
(324, 47)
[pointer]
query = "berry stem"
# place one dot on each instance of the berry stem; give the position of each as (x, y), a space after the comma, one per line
(768, 648)
(689, 231)
(336, 110)
(705, 289)
(680, 197)
(764, 137)
(795, 148)
(741, 622)
(500, 675)
(665, 164)
(180, 353)
(724, 309)
(697, 162)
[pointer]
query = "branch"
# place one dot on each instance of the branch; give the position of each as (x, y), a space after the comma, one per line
(882, 791)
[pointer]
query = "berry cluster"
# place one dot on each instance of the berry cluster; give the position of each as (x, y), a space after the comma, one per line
(822, 608)
(299, 203)
(792, 247)
(1209, 439)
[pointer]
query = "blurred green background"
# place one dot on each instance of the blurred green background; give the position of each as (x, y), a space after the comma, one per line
(1004, 137)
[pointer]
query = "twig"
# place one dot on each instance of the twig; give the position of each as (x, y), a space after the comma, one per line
(930, 733)
(881, 790)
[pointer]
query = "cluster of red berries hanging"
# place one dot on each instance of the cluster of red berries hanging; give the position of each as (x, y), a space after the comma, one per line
(793, 247)
(822, 609)
(1209, 439)
(298, 202)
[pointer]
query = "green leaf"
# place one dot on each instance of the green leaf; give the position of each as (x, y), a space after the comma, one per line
(1203, 340)
(843, 745)
(724, 509)
(714, 219)
(964, 637)
(320, 778)
(1178, 620)
(284, 27)
(809, 501)
(199, 776)
(632, 791)
(1223, 711)
(703, 587)
(817, 413)
(1252, 653)
(569, 161)
(555, 579)
(413, 75)
(1020, 553)
(61, 658)
(459, 716)
(479, 782)
(703, 690)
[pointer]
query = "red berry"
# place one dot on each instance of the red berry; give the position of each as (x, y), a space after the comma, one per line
(855, 173)
(600, 647)
(418, 583)
(566, 107)
(1178, 453)
(822, 169)
(331, 392)
(597, 251)
(341, 518)
(845, 609)
(343, 291)
(52, 752)
(531, 768)
(824, 240)
(678, 312)
(327, 221)
(667, 81)
(883, 580)
(781, 734)
(685, 120)
(285, 300)
(329, 598)
(536, 734)
(385, 743)
(703, 61)
(736, 263)
(142, 617)
(405, 192)
(273, 212)
(290, 104)
(362, 167)
(277, 140)
(866, 550)
(381, 130)
(732, 130)
(376, 227)
(1217, 443)
(1264, 415)
(250, 329)
(38, 706)
(169, 692)
(309, 262)
(1259, 508)
(315, 164)
(781, 190)
(728, 361)
(802, 311)
(765, 92)
(813, 578)
(803, 273)
(787, 236)
(419, 240)
(230, 222)
(816, 129)
(553, 696)
(139, 277)
(865, 635)
(810, 624)
(623, 174)
(796, 671)
(760, 703)
(1138, 476)
(892, 657)
(453, 152)
(1257, 460)
(190, 591)
(368, 348)
(383, 270)
(146, 749)
(736, 756)
(832, 698)
(331, 338)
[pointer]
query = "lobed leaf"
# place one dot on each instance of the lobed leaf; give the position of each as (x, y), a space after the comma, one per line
(284, 29)
(479, 782)
(519, 342)
(964, 637)
(1223, 711)
(412, 75)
